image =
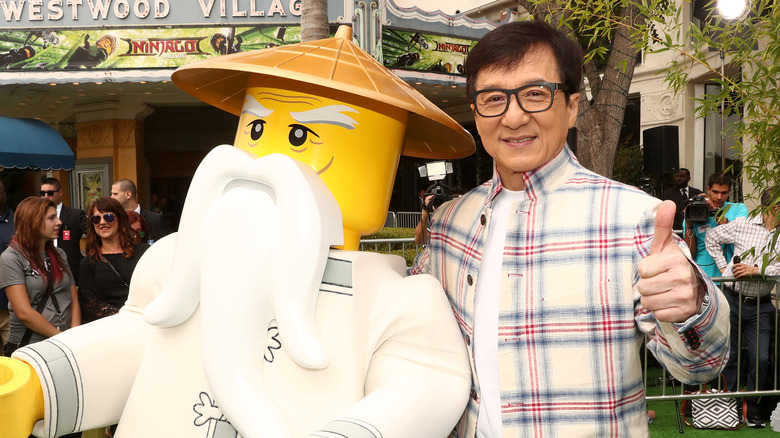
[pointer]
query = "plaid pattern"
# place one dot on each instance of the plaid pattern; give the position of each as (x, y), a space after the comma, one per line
(570, 318)
(745, 234)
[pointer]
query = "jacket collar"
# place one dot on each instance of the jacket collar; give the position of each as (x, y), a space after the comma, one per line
(545, 179)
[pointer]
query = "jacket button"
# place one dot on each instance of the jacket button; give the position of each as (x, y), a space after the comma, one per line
(482, 219)
(468, 340)
(469, 279)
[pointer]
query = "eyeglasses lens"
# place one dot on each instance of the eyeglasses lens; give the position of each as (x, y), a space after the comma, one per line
(47, 192)
(109, 217)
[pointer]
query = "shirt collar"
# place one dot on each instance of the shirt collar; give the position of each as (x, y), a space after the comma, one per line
(545, 179)
(59, 209)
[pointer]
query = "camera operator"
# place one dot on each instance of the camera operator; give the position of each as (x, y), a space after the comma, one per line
(721, 212)
(680, 193)
(436, 195)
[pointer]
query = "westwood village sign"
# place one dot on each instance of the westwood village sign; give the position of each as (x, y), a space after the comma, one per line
(26, 14)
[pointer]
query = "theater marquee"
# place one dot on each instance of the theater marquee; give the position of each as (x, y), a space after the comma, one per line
(48, 14)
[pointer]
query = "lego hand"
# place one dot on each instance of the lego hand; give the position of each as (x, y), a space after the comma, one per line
(668, 283)
(21, 398)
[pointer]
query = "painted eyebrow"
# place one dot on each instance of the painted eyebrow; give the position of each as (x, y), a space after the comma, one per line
(331, 115)
(255, 108)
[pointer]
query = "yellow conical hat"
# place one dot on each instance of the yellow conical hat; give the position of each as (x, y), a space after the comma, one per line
(335, 64)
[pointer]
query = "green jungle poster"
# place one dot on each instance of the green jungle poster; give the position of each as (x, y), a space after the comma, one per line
(119, 48)
(411, 50)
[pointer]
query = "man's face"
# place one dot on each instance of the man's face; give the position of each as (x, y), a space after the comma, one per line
(120, 195)
(718, 194)
(51, 193)
(771, 217)
(681, 179)
(517, 140)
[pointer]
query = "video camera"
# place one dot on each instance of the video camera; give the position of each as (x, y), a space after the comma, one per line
(646, 185)
(697, 209)
(435, 171)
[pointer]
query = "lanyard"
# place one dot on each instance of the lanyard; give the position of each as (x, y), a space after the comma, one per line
(50, 279)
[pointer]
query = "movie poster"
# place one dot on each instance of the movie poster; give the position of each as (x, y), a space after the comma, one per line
(409, 50)
(120, 48)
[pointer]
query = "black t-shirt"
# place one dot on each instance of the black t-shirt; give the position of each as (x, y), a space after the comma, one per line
(101, 291)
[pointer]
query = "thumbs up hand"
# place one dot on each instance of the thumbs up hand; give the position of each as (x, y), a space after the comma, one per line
(669, 285)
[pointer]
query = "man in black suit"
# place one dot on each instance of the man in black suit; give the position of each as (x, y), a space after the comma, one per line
(126, 193)
(74, 224)
(679, 194)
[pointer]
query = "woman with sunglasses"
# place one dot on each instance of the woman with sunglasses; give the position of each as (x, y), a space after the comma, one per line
(41, 292)
(112, 251)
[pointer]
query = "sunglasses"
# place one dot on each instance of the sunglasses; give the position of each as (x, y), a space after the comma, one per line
(109, 217)
(48, 192)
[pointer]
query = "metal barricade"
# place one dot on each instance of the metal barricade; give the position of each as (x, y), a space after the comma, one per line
(407, 219)
(405, 247)
(665, 380)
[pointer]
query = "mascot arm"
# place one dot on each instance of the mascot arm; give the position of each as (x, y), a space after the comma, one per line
(21, 398)
(419, 376)
(108, 351)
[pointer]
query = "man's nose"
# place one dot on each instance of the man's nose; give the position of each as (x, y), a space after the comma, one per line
(515, 115)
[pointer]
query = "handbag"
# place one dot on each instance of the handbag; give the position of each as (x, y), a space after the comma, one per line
(714, 412)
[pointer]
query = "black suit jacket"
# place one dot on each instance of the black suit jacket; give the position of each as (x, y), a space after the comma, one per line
(74, 225)
(158, 228)
(674, 194)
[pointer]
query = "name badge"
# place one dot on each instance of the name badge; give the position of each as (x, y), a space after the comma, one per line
(65, 234)
(703, 229)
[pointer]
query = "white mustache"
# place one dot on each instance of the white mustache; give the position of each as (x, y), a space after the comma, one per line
(251, 248)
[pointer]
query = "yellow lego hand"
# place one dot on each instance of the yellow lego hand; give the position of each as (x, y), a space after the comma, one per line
(21, 398)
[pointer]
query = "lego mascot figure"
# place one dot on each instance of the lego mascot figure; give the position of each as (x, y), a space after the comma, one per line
(259, 318)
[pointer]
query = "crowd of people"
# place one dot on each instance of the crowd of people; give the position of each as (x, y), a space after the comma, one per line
(47, 284)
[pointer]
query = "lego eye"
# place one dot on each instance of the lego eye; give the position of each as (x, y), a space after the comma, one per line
(299, 134)
(256, 129)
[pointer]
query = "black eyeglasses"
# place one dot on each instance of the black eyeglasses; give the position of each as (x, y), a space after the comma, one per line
(48, 192)
(533, 98)
(109, 217)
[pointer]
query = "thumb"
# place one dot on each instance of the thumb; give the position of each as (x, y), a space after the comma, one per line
(664, 221)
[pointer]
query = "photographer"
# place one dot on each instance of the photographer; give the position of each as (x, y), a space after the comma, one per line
(721, 212)
(436, 195)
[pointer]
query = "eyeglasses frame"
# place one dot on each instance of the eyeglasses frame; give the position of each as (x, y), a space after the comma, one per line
(554, 86)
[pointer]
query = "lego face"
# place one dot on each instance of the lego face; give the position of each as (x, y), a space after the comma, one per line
(353, 149)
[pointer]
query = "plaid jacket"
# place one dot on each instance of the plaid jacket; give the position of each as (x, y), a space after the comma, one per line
(570, 320)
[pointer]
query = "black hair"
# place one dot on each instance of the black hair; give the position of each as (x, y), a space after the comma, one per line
(507, 46)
